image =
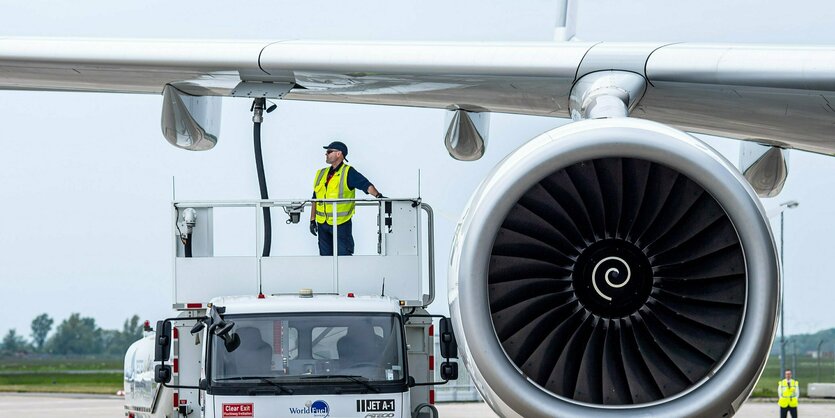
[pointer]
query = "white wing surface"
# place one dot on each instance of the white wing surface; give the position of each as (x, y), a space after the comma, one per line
(773, 94)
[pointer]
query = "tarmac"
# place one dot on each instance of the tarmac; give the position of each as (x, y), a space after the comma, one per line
(37, 405)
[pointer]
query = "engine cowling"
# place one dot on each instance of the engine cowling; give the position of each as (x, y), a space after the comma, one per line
(614, 267)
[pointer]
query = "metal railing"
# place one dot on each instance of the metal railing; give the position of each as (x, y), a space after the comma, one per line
(295, 207)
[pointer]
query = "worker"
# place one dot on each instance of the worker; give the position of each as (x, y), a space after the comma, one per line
(788, 390)
(337, 182)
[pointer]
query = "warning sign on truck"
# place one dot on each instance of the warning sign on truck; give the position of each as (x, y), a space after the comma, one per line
(237, 410)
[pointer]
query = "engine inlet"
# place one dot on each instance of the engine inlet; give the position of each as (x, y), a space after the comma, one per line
(616, 281)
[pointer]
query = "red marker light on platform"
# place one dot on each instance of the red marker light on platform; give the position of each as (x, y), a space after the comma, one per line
(350, 294)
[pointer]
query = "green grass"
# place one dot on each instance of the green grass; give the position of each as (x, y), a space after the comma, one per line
(807, 372)
(107, 383)
(60, 374)
(59, 363)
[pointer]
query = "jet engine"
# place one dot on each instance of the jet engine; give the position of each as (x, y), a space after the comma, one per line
(614, 267)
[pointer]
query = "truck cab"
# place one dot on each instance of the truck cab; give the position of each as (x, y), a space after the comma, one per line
(301, 355)
(307, 336)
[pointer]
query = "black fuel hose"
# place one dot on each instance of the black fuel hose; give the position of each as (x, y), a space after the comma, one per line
(187, 246)
(262, 184)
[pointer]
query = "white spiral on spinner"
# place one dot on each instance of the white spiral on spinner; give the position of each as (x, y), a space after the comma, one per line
(608, 273)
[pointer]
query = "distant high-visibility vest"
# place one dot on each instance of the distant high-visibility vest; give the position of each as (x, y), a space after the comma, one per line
(336, 188)
(788, 392)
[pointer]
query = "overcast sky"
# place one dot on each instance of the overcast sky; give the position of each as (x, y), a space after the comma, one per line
(86, 178)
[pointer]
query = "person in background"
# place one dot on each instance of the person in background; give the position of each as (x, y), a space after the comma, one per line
(788, 390)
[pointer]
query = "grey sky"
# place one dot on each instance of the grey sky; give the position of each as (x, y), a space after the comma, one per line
(86, 178)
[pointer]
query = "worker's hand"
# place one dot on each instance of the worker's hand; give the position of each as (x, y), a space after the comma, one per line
(313, 228)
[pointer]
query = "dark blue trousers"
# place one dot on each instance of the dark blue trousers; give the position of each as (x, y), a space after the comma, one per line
(788, 411)
(344, 239)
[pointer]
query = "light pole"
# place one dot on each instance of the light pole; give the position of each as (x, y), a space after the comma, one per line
(794, 358)
(791, 204)
(819, 359)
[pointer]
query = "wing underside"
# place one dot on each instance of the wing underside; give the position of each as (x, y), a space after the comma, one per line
(773, 94)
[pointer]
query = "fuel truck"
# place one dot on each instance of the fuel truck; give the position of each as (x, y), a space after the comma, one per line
(287, 334)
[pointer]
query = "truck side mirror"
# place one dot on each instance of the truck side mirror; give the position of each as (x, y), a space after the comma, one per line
(198, 327)
(162, 373)
(231, 340)
(163, 341)
(449, 370)
(449, 347)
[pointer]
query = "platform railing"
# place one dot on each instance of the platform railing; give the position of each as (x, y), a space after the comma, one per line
(396, 219)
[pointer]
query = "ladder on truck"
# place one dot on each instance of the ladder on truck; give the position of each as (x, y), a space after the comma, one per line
(404, 252)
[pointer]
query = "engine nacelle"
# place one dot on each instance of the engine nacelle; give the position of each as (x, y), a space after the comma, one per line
(614, 267)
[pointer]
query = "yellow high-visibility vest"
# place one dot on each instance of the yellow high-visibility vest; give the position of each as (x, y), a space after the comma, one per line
(788, 392)
(336, 188)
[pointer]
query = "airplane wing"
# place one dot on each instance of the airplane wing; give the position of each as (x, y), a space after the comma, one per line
(779, 95)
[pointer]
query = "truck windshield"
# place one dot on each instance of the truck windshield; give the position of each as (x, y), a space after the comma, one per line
(302, 349)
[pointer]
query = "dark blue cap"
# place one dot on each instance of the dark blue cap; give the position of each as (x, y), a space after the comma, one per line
(340, 146)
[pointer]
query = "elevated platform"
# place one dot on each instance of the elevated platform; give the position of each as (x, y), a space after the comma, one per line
(402, 266)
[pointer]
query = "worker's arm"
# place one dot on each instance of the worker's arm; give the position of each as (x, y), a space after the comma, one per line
(357, 181)
(797, 391)
(779, 389)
